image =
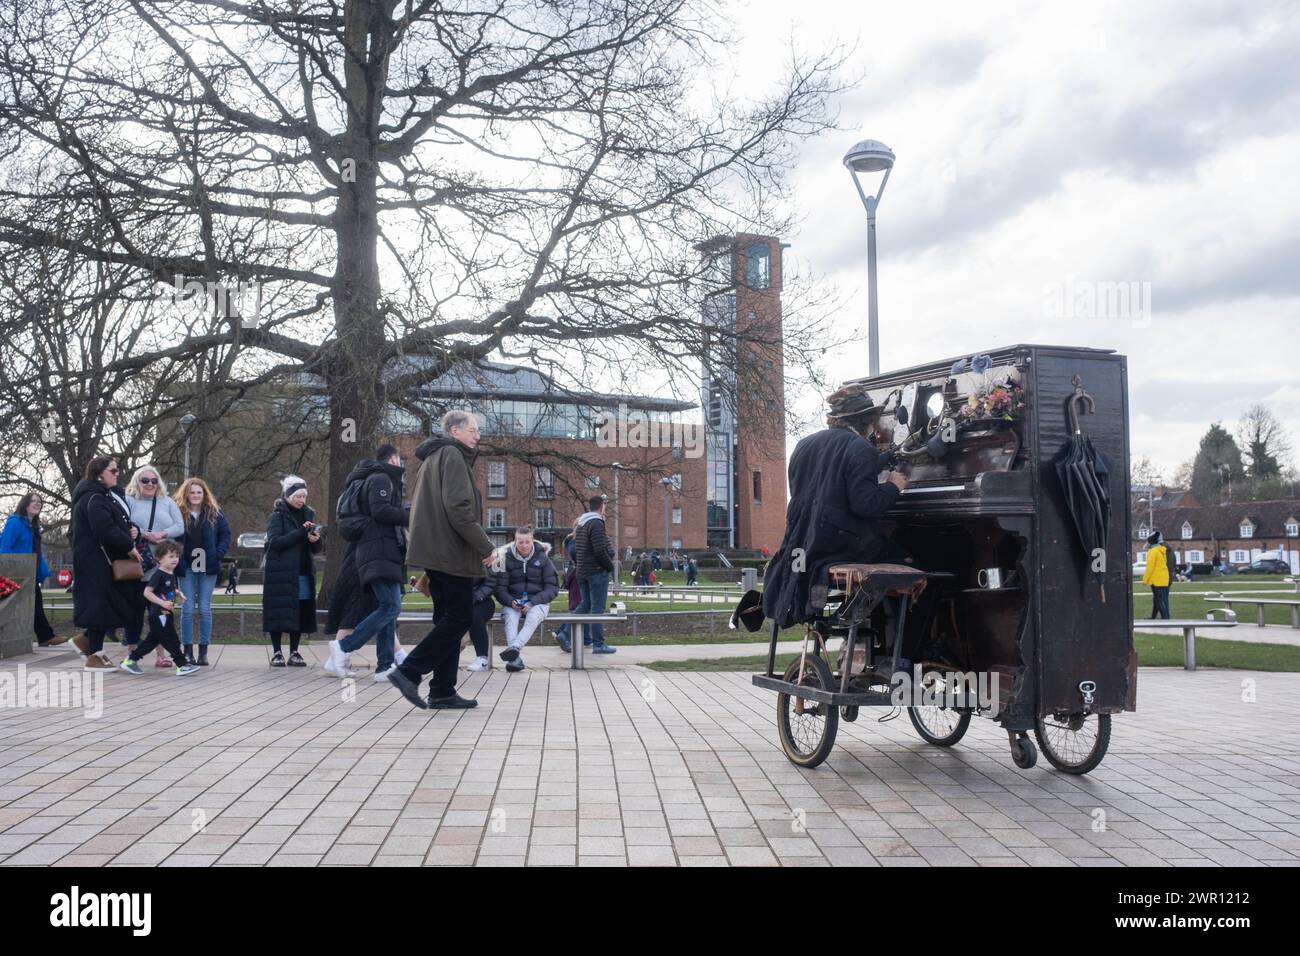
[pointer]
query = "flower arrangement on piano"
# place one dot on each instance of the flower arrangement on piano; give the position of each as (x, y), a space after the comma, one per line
(1003, 402)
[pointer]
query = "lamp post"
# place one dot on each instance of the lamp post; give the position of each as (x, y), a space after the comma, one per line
(667, 482)
(618, 523)
(871, 156)
(187, 426)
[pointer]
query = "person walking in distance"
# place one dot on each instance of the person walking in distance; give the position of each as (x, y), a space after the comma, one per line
(446, 538)
(380, 556)
(595, 564)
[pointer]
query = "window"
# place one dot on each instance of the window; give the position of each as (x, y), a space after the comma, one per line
(1196, 557)
(543, 518)
(593, 481)
(496, 479)
(1187, 529)
(677, 542)
(1239, 557)
(758, 487)
(1143, 531)
(544, 482)
(1247, 530)
(496, 517)
(1293, 529)
(676, 479)
(677, 516)
(758, 265)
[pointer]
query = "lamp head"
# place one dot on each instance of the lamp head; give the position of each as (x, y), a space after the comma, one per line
(869, 156)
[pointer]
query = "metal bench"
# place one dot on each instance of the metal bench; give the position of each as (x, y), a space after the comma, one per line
(578, 632)
(1228, 599)
(1188, 627)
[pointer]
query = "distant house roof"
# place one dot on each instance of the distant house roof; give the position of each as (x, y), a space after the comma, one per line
(1224, 521)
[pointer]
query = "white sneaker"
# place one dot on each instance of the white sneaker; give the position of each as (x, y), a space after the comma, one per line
(337, 662)
(478, 664)
(399, 655)
(381, 677)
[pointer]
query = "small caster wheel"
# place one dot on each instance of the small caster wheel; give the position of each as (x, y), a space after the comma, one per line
(1023, 752)
(849, 713)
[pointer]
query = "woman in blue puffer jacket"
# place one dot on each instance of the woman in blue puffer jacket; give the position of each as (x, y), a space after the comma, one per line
(22, 535)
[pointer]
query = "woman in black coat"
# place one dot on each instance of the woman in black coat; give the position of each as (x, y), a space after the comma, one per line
(289, 584)
(101, 534)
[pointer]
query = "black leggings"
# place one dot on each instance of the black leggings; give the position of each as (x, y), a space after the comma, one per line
(478, 630)
(41, 623)
(293, 641)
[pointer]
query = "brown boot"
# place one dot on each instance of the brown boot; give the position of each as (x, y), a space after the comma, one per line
(99, 662)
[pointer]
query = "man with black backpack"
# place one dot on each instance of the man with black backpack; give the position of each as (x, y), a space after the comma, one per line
(371, 514)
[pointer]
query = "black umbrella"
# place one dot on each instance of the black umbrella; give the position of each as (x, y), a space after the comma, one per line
(1085, 481)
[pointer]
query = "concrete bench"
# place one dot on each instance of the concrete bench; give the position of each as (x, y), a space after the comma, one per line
(1188, 627)
(1229, 599)
(578, 631)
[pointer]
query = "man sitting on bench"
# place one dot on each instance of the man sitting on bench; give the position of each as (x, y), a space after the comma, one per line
(526, 583)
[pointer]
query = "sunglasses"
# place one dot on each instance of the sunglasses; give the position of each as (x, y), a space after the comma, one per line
(148, 481)
(111, 471)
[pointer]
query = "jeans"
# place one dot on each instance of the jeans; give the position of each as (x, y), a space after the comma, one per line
(439, 651)
(594, 591)
(381, 623)
(1159, 602)
(198, 597)
(517, 637)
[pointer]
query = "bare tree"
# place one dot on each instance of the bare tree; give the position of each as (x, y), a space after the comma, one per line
(1265, 443)
(408, 185)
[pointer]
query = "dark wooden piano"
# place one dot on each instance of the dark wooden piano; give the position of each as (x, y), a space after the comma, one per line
(1059, 635)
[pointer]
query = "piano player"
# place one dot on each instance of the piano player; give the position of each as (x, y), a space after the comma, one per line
(836, 502)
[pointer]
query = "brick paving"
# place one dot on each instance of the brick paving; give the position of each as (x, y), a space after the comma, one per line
(619, 765)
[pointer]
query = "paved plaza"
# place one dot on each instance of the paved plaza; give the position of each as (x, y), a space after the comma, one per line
(621, 765)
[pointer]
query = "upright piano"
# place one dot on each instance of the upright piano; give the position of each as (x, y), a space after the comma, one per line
(1058, 631)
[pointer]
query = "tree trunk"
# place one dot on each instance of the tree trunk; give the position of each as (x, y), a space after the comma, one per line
(354, 373)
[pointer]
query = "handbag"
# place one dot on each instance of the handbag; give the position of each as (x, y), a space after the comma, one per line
(125, 569)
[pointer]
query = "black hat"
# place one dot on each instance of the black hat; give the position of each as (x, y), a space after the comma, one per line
(1153, 537)
(749, 611)
(851, 402)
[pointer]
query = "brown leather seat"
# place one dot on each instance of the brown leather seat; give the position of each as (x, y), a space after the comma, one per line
(893, 580)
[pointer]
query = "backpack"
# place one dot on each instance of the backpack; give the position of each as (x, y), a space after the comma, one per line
(350, 502)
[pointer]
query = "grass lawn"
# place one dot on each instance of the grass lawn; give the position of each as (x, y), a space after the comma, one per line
(1187, 598)
(1154, 650)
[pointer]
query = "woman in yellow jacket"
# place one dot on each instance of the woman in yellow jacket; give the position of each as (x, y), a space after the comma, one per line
(1159, 574)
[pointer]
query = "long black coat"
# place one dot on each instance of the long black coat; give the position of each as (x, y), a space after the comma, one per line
(100, 531)
(381, 549)
(348, 603)
(833, 518)
(288, 554)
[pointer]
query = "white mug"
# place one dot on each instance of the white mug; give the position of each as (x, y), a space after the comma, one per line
(990, 578)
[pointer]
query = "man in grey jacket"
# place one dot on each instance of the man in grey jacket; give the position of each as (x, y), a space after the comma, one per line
(446, 538)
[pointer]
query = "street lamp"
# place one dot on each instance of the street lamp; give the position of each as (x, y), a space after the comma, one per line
(618, 522)
(871, 156)
(667, 482)
(1151, 515)
(187, 426)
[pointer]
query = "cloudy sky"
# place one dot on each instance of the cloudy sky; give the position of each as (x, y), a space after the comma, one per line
(1045, 149)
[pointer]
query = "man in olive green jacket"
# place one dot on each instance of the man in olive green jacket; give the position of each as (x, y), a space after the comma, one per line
(446, 538)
